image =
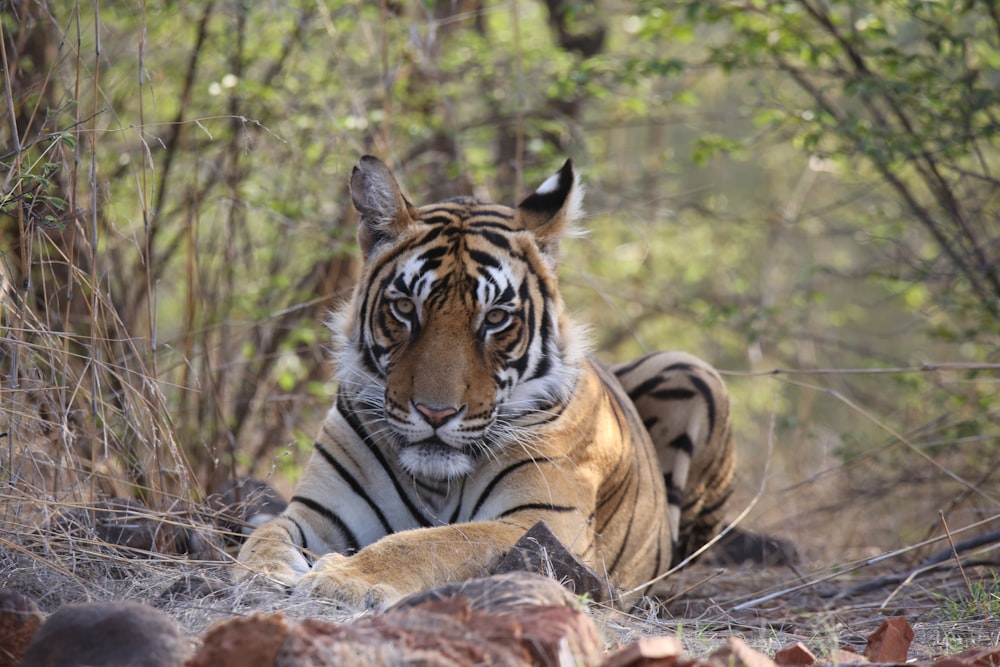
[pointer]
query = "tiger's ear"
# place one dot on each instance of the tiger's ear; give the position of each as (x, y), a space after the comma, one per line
(385, 212)
(549, 212)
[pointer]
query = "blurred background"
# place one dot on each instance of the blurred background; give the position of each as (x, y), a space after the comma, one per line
(805, 193)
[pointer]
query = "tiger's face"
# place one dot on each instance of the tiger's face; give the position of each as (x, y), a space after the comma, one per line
(455, 342)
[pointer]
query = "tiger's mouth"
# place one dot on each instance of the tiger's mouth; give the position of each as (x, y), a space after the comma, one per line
(436, 459)
(435, 446)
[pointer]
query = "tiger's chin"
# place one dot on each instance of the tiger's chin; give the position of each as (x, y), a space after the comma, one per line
(434, 459)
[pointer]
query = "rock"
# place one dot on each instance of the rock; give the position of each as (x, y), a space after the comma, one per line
(19, 621)
(122, 522)
(648, 652)
(315, 643)
(795, 654)
(135, 530)
(559, 636)
(448, 632)
(500, 593)
(891, 642)
(109, 634)
(736, 653)
(514, 620)
(741, 546)
(981, 657)
(253, 641)
(845, 656)
(951, 661)
(541, 552)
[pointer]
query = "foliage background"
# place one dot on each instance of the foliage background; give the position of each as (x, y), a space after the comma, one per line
(804, 193)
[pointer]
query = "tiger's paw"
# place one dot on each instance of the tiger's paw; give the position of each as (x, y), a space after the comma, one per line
(335, 577)
(278, 576)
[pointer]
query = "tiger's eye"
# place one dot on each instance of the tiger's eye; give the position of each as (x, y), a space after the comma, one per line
(496, 317)
(404, 306)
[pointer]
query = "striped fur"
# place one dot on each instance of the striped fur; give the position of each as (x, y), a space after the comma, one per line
(467, 411)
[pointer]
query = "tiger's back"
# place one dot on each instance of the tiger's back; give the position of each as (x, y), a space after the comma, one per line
(467, 411)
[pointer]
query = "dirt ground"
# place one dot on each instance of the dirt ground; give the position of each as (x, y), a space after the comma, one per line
(823, 606)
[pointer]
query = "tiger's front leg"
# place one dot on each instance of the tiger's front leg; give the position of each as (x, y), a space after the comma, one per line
(273, 552)
(411, 561)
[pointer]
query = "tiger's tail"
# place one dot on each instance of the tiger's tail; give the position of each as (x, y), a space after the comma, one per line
(685, 407)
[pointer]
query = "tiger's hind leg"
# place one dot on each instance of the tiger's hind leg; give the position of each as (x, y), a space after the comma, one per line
(685, 407)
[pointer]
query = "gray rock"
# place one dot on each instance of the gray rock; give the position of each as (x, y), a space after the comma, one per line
(109, 634)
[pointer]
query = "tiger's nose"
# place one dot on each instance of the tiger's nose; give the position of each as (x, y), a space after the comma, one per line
(435, 416)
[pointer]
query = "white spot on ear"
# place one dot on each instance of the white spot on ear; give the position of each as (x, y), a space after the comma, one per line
(551, 184)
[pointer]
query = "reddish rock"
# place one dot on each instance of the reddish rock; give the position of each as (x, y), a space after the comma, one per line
(891, 642)
(446, 633)
(253, 641)
(560, 636)
(406, 639)
(846, 656)
(952, 661)
(110, 634)
(794, 655)
(981, 657)
(19, 621)
(736, 653)
(648, 652)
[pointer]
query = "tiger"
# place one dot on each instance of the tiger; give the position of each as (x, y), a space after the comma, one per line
(469, 409)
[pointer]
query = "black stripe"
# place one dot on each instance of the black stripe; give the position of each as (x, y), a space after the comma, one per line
(437, 219)
(714, 507)
(644, 388)
(549, 412)
(329, 515)
(613, 491)
(621, 499)
(433, 254)
(302, 534)
(706, 393)
(679, 366)
(496, 480)
(458, 505)
(675, 496)
(677, 394)
(628, 533)
(694, 501)
(499, 240)
(683, 443)
(353, 483)
(544, 332)
(359, 430)
(484, 258)
(536, 506)
(527, 332)
(487, 218)
(621, 371)
(429, 488)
